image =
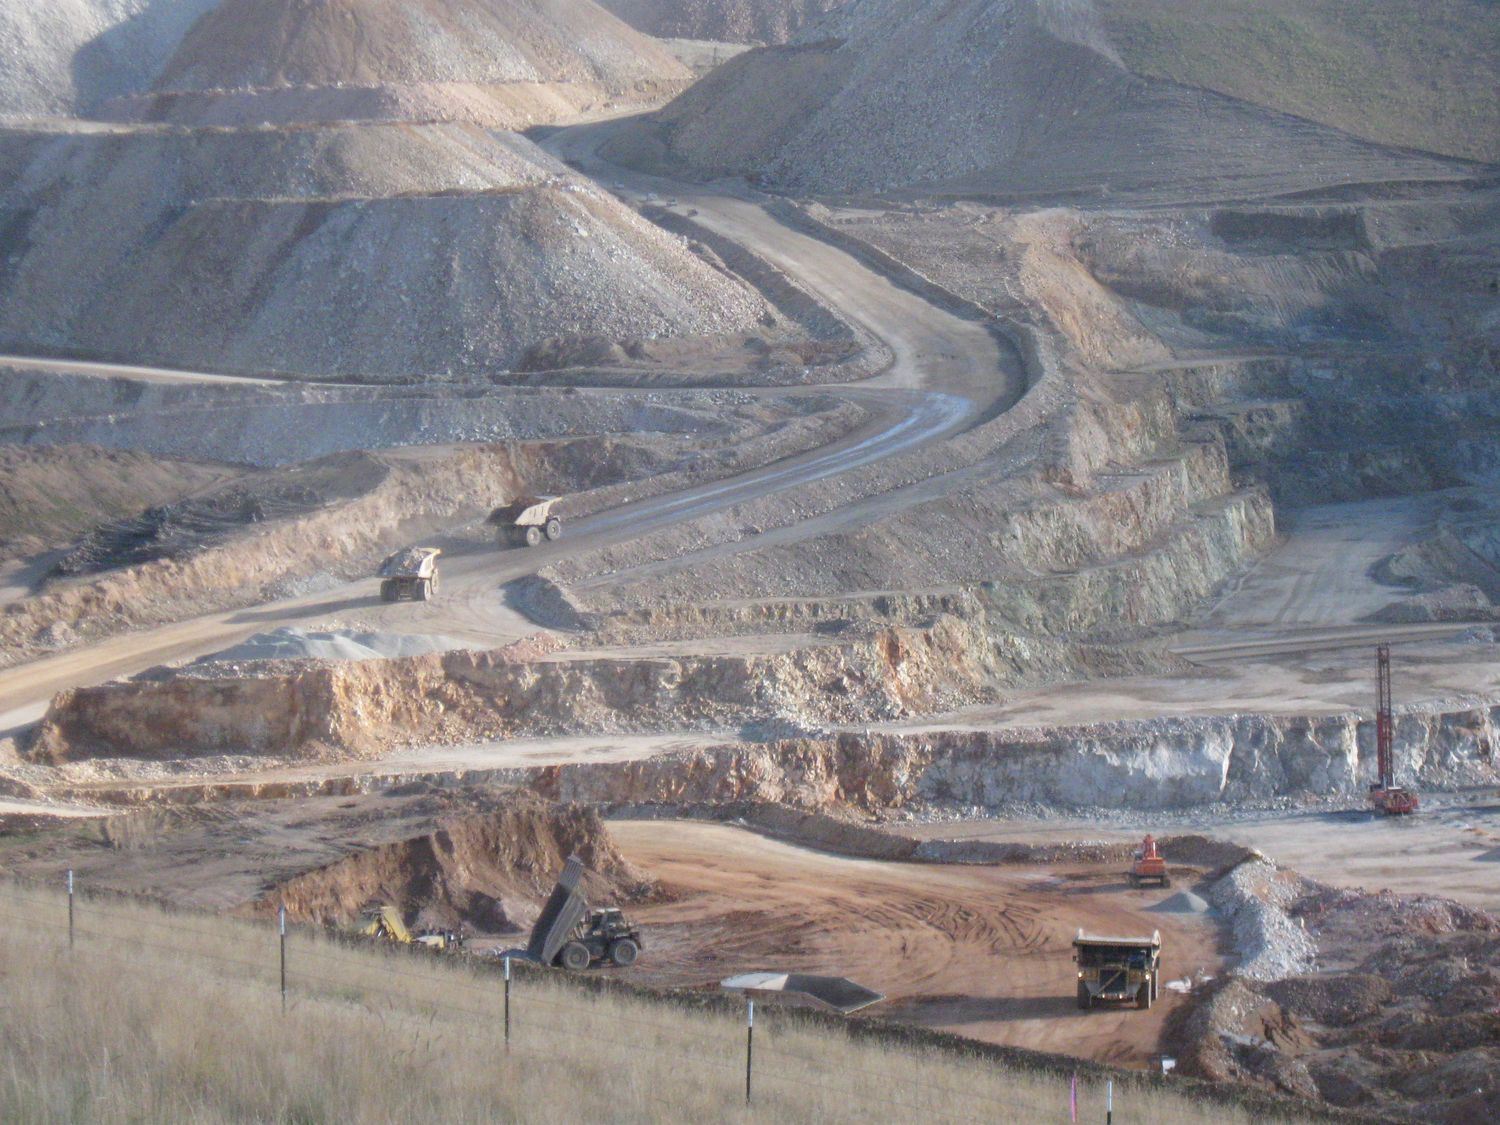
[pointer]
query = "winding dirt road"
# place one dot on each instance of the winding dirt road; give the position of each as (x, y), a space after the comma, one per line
(946, 374)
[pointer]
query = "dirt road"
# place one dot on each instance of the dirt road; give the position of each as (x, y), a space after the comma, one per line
(982, 951)
(946, 374)
(1451, 848)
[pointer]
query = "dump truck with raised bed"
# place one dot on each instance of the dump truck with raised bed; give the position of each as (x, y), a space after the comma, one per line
(1117, 969)
(569, 934)
(410, 573)
(526, 521)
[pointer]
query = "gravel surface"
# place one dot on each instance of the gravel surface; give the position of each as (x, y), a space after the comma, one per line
(1015, 96)
(65, 56)
(728, 21)
(258, 43)
(308, 644)
(383, 252)
(1254, 897)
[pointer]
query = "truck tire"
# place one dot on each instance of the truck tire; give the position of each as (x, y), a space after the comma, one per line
(1143, 996)
(424, 589)
(433, 584)
(575, 956)
(1155, 987)
(554, 529)
(533, 536)
(387, 591)
(1085, 1001)
(624, 952)
(1166, 880)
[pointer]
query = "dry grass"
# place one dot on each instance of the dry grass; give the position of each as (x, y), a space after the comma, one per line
(165, 1017)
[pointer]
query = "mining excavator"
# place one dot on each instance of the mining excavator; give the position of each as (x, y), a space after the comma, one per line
(1148, 865)
(569, 934)
(385, 922)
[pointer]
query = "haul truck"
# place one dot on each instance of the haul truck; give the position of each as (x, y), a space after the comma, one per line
(1117, 969)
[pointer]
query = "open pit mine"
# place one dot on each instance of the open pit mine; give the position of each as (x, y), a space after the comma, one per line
(864, 467)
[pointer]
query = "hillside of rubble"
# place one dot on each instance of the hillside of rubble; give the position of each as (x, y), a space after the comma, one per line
(1050, 107)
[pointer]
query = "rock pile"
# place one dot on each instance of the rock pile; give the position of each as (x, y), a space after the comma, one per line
(1007, 96)
(725, 21)
(381, 253)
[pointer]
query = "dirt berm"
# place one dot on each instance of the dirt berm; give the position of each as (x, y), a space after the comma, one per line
(490, 871)
(347, 709)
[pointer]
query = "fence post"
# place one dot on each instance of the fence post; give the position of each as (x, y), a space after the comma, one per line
(70, 908)
(281, 925)
(1073, 1099)
(749, 1046)
(507, 1005)
(1109, 1103)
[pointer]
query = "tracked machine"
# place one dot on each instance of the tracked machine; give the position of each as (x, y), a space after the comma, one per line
(1386, 796)
(1148, 866)
(386, 922)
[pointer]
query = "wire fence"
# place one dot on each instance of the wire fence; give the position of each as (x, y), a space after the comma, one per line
(521, 1011)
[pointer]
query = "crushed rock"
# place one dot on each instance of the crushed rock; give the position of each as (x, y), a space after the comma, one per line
(1183, 902)
(1255, 897)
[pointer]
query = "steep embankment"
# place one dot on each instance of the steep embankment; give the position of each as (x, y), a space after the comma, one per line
(385, 252)
(490, 871)
(1010, 96)
(507, 63)
(50, 495)
(725, 21)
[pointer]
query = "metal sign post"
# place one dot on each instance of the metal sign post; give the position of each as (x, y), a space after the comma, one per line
(281, 922)
(749, 1046)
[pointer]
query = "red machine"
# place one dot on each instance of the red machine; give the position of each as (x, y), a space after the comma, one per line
(1149, 866)
(1385, 795)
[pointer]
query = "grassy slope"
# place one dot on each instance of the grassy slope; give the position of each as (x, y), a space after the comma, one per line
(1419, 73)
(176, 1017)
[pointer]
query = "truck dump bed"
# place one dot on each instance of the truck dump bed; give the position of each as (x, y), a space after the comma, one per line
(524, 511)
(563, 910)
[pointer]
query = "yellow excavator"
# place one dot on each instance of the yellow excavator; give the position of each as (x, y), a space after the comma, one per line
(385, 922)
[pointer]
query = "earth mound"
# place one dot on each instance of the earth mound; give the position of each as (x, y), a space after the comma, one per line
(64, 56)
(508, 63)
(1014, 97)
(724, 21)
(48, 495)
(490, 870)
(387, 252)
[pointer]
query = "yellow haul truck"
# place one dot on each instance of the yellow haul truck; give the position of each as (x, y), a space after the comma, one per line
(1117, 968)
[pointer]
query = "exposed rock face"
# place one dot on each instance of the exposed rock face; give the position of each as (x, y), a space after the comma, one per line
(488, 870)
(356, 709)
(1164, 764)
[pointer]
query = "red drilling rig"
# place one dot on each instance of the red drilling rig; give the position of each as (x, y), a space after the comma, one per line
(1385, 795)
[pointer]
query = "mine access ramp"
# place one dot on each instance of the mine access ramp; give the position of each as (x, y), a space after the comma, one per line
(1117, 969)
